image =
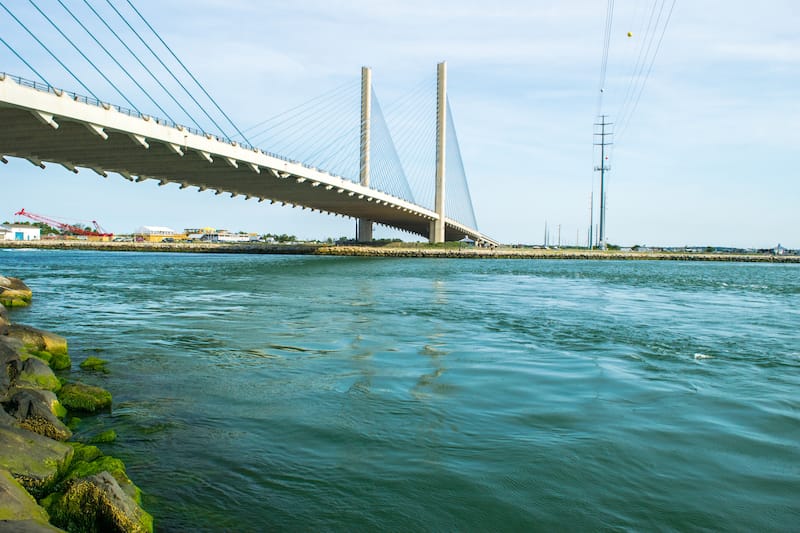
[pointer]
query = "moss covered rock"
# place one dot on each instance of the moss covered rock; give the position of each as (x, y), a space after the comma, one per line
(35, 461)
(103, 438)
(97, 503)
(57, 361)
(84, 453)
(81, 397)
(38, 411)
(94, 363)
(14, 293)
(36, 374)
(89, 460)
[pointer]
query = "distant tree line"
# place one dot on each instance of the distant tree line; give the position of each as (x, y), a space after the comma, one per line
(279, 238)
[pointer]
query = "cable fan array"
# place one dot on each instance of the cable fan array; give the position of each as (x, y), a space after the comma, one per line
(93, 42)
(412, 119)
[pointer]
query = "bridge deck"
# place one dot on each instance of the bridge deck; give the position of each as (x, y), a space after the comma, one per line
(45, 126)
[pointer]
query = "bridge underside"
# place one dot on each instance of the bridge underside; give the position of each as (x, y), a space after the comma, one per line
(138, 149)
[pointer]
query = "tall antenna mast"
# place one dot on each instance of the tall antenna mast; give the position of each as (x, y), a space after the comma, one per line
(603, 168)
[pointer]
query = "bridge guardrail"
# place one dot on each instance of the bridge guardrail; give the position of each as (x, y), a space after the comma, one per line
(90, 100)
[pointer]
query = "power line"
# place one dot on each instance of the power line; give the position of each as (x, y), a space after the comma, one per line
(624, 125)
(606, 46)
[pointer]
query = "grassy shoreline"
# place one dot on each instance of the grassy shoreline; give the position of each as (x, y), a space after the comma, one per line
(421, 250)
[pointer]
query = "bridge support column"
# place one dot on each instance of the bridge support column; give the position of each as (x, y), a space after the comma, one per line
(437, 226)
(364, 230)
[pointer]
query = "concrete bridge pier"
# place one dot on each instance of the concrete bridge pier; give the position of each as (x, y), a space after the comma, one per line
(364, 229)
(437, 226)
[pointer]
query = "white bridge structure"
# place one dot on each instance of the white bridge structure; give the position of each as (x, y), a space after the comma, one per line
(42, 124)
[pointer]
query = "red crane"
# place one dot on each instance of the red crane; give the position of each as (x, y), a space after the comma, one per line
(64, 227)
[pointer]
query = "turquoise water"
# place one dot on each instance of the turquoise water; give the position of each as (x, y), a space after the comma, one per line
(294, 393)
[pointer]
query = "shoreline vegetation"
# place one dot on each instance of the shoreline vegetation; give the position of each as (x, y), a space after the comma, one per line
(50, 479)
(422, 250)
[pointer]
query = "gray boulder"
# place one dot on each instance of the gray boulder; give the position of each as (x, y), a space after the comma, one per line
(19, 512)
(35, 461)
(4, 321)
(38, 411)
(27, 526)
(10, 363)
(38, 339)
(6, 420)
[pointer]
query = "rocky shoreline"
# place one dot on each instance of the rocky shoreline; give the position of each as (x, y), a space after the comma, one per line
(400, 250)
(48, 481)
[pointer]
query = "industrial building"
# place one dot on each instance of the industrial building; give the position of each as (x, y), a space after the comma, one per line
(157, 234)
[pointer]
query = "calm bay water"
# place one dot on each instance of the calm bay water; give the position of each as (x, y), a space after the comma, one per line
(261, 393)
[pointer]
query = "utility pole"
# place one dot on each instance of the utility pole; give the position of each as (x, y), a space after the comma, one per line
(603, 168)
(545, 234)
(591, 218)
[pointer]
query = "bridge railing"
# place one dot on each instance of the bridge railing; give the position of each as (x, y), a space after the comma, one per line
(47, 88)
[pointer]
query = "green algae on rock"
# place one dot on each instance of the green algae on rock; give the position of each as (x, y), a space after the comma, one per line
(57, 361)
(50, 347)
(103, 438)
(94, 363)
(97, 503)
(14, 293)
(37, 374)
(81, 397)
(89, 462)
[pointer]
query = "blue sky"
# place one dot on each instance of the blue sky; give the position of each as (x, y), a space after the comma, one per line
(708, 156)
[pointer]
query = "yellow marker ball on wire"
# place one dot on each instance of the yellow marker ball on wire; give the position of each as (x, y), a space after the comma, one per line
(630, 34)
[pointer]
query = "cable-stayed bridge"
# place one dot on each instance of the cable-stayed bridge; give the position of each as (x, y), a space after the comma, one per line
(337, 154)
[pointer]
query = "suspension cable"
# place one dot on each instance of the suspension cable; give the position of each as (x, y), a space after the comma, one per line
(23, 60)
(114, 59)
(55, 26)
(49, 51)
(189, 73)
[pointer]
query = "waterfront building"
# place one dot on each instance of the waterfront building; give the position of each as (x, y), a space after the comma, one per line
(20, 232)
